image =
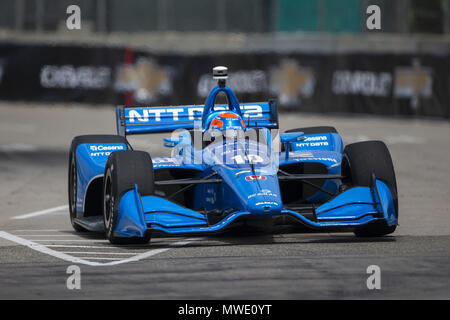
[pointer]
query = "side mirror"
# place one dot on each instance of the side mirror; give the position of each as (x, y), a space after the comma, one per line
(179, 137)
(171, 142)
(288, 138)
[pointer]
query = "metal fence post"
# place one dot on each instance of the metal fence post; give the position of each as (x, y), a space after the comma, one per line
(162, 15)
(101, 16)
(39, 15)
(19, 10)
(446, 18)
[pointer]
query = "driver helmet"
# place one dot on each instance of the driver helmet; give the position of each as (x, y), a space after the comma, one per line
(228, 124)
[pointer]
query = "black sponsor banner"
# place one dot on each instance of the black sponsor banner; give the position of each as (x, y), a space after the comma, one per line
(388, 84)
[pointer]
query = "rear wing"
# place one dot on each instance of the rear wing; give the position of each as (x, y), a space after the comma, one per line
(141, 120)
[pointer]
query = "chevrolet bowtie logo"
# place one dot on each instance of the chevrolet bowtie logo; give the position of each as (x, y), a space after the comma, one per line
(145, 78)
(413, 82)
(290, 81)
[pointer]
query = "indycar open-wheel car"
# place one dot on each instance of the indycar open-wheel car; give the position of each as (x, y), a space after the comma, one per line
(228, 167)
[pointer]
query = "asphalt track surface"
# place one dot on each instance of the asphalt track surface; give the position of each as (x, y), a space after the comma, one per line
(37, 243)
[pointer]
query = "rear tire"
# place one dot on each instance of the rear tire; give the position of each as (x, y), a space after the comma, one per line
(73, 170)
(359, 161)
(123, 170)
(314, 130)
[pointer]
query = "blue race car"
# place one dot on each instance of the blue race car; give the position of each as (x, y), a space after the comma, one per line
(228, 167)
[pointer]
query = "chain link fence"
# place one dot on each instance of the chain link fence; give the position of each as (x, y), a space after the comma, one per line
(244, 16)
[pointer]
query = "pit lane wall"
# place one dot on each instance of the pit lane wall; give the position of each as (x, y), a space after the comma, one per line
(373, 83)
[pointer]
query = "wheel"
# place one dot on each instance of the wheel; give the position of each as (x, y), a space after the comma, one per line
(358, 162)
(313, 130)
(72, 175)
(123, 170)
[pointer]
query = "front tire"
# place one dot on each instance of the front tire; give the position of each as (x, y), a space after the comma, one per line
(314, 130)
(359, 161)
(123, 170)
(73, 170)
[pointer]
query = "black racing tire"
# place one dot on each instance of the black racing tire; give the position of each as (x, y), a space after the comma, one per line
(313, 130)
(359, 161)
(72, 172)
(123, 170)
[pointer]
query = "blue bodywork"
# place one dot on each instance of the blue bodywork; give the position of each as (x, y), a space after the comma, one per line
(249, 186)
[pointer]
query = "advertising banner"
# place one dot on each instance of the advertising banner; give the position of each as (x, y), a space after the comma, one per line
(388, 84)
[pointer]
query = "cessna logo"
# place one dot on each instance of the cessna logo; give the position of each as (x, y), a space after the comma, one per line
(291, 81)
(106, 148)
(145, 79)
(413, 82)
(253, 178)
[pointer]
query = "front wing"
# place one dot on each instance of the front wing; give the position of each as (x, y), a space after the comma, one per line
(352, 208)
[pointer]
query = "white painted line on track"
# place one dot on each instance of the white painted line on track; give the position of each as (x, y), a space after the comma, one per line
(66, 257)
(42, 230)
(18, 147)
(43, 249)
(46, 235)
(71, 240)
(102, 258)
(81, 247)
(154, 252)
(100, 253)
(41, 212)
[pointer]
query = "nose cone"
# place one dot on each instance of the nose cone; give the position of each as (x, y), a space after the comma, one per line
(264, 204)
(257, 194)
(264, 196)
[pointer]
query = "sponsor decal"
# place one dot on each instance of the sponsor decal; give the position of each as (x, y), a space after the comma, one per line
(290, 81)
(190, 113)
(210, 195)
(314, 141)
(70, 77)
(366, 83)
(251, 81)
(312, 144)
(103, 150)
(171, 114)
(313, 159)
(264, 192)
(413, 83)
(145, 79)
(255, 177)
(267, 203)
(106, 148)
